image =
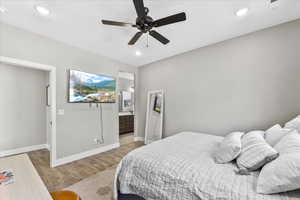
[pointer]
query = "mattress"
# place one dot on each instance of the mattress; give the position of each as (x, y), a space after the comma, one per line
(181, 167)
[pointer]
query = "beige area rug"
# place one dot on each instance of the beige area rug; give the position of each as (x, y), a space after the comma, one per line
(96, 187)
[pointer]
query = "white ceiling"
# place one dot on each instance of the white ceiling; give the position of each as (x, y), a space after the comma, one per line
(76, 22)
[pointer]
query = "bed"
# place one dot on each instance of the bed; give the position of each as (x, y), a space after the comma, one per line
(181, 167)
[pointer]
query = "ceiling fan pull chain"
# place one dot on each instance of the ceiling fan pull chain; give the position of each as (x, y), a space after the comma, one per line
(147, 40)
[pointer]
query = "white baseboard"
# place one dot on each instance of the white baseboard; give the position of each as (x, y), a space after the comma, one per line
(23, 150)
(68, 159)
(138, 139)
(48, 147)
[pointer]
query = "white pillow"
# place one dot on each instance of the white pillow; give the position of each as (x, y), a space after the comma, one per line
(229, 148)
(294, 124)
(256, 152)
(282, 174)
(275, 133)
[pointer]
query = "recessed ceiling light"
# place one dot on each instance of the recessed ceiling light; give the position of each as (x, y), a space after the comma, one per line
(2, 9)
(242, 12)
(138, 53)
(42, 10)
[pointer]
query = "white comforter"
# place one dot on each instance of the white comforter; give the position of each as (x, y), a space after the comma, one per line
(181, 168)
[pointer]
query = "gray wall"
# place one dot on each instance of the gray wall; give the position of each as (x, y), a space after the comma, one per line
(250, 82)
(22, 106)
(79, 126)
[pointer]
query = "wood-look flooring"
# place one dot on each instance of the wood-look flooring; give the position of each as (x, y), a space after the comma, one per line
(69, 174)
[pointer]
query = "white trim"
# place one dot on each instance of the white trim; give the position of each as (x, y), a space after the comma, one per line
(24, 63)
(47, 146)
(85, 154)
(139, 139)
(52, 80)
(135, 131)
(23, 150)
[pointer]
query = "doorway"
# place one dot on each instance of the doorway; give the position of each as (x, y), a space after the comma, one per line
(126, 95)
(31, 104)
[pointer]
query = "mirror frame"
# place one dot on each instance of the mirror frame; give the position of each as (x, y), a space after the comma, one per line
(148, 112)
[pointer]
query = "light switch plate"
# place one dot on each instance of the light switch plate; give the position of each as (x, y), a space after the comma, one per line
(61, 112)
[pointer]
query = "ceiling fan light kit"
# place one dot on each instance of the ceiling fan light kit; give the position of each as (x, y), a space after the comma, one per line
(145, 24)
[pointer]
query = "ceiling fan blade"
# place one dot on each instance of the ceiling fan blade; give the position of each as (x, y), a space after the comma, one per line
(140, 8)
(135, 38)
(170, 20)
(114, 23)
(159, 37)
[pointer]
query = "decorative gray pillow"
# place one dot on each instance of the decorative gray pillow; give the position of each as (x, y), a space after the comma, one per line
(256, 152)
(282, 174)
(275, 133)
(293, 124)
(229, 148)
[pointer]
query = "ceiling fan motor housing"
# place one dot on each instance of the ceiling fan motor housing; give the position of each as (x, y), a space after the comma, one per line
(144, 24)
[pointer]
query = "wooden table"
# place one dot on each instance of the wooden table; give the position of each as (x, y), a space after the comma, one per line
(28, 184)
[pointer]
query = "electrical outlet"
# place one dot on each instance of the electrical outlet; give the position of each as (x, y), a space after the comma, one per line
(96, 141)
(60, 111)
(275, 4)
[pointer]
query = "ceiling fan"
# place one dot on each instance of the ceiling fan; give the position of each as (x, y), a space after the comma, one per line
(145, 23)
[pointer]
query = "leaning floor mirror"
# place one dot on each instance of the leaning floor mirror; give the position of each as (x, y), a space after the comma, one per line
(154, 116)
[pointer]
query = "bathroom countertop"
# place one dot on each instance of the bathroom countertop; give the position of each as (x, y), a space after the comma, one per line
(125, 113)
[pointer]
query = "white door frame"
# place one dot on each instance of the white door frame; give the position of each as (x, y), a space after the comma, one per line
(136, 138)
(52, 81)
